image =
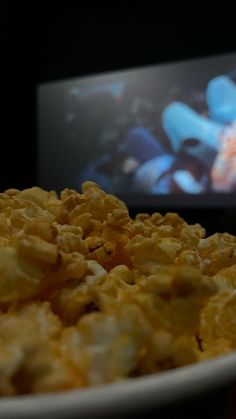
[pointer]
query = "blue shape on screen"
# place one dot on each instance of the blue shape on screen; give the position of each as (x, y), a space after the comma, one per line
(180, 123)
(148, 175)
(141, 144)
(221, 99)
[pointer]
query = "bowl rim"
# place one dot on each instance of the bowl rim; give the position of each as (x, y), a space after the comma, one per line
(125, 396)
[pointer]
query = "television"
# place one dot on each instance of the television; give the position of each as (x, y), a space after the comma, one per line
(160, 135)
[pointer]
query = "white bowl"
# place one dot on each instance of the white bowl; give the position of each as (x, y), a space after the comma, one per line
(126, 397)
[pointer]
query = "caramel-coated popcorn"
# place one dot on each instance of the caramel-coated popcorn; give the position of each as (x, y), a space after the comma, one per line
(89, 295)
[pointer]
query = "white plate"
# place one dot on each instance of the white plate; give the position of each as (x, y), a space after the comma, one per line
(126, 397)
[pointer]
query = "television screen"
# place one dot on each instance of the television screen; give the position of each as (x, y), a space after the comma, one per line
(158, 135)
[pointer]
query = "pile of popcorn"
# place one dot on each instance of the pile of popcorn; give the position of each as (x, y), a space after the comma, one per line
(90, 296)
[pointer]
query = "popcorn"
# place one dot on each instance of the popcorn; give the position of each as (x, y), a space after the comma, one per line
(218, 320)
(90, 296)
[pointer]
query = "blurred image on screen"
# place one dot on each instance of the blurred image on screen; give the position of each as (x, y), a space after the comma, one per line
(159, 130)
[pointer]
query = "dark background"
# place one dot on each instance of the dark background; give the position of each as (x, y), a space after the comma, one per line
(43, 44)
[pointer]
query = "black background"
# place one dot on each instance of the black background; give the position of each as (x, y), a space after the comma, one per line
(39, 44)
